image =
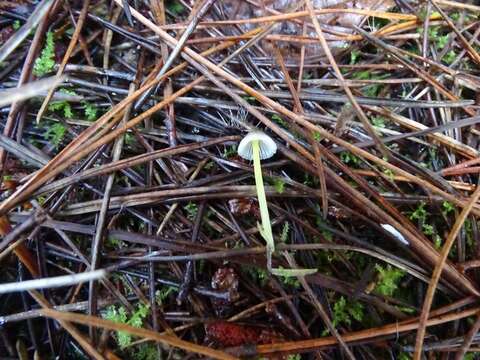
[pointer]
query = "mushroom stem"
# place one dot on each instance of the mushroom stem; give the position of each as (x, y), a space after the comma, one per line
(266, 227)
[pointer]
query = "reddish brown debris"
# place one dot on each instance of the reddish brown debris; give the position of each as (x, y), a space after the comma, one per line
(225, 279)
(244, 206)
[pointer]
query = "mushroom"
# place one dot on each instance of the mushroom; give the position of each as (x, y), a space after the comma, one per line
(258, 146)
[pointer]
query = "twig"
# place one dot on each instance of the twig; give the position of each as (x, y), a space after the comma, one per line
(52, 282)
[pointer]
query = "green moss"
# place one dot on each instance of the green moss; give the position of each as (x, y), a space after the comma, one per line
(294, 357)
(146, 352)
(285, 232)
(448, 207)
(472, 355)
(63, 106)
(175, 7)
(427, 229)
(372, 90)
(90, 111)
(345, 311)
(279, 185)
(388, 279)
(442, 41)
(259, 275)
(420, 213)
(114, 243)
(129, 139)
(162, 294)
(279, 120)
(191, 209)
(362, 75)
(119, 315)
(348, 158)
(378, 121)
(55, 133)
(450, 57)
(404, 356)
(354, 55)
(455, 16)
(46, 61)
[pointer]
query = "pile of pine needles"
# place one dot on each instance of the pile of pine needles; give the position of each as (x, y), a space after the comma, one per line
(129, 222)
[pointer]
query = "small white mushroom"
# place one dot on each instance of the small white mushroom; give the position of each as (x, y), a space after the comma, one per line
(267, 146)
(257, 146)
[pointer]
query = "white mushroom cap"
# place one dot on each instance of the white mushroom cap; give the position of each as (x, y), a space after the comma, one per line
(267, 146)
